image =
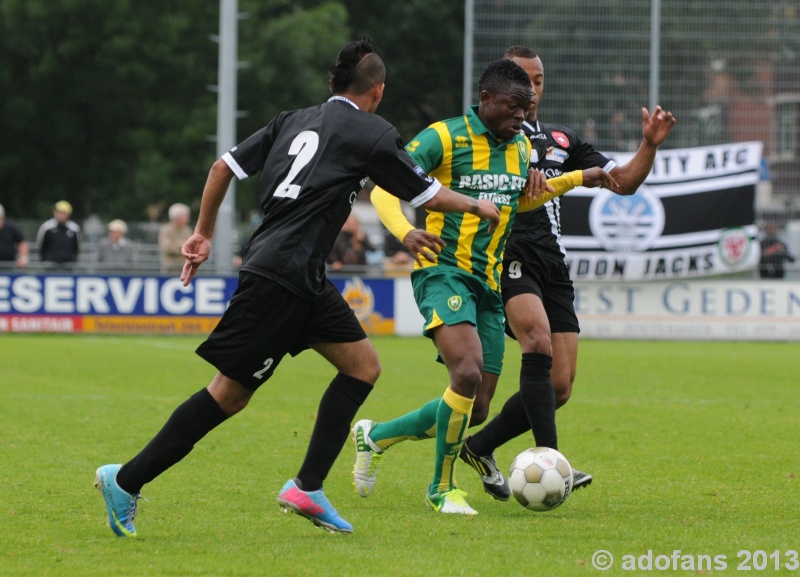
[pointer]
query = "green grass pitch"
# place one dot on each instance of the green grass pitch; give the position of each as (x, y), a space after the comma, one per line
(693, 447)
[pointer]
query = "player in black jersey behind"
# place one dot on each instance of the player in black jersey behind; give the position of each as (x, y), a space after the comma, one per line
(537, 290)
(313, 162)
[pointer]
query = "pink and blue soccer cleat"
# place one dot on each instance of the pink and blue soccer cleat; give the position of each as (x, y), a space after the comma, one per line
(314, 506)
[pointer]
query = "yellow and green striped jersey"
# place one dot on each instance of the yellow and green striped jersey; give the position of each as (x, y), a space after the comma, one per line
(466, 157)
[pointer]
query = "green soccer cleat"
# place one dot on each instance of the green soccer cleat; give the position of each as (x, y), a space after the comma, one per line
(451, 501)
(365, 471)
(120, 504)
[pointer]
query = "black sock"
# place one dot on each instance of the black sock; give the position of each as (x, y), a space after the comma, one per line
(511, 422)
(539, 398)
(188, 424)
(337, 408)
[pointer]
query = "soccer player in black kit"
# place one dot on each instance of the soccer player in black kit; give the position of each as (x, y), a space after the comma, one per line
(313, 162)
(537, 290)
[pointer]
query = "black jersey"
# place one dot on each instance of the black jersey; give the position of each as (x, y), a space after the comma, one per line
(58, 241)
(10, 238)
(313, 163)
(555, 150)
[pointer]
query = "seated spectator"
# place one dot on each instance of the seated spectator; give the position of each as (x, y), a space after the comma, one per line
(775, 252)
(171, 237)
(115, 250)
(396, 255)
(13, 246)
(351, 246)
(59, 237)
(397, 258)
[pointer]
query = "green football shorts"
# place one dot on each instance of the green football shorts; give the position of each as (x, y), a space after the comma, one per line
(448, 296)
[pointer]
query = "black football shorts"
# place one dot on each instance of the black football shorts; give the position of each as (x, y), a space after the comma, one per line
(265, 321)
(529, 270)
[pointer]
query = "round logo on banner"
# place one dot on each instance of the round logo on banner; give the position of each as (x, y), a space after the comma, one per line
(626, 223)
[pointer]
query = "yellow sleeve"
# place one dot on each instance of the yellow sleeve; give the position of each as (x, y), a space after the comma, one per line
(390, 212)
(562, 184)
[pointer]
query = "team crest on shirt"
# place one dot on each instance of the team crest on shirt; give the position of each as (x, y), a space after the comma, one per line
(561, 138)
(523, 151)
(454, 302)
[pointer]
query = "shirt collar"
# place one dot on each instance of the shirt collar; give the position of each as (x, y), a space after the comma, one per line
(344, 99)
(478, 127)
(533, 127)
(475, 122)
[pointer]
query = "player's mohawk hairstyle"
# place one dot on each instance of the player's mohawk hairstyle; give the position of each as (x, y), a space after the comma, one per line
(358, 67)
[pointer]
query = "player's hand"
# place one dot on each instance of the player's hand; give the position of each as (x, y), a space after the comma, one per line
(537, 186)
(487, 210)
(196, 250)
(423, 244)
(596, 176)
(655, 128)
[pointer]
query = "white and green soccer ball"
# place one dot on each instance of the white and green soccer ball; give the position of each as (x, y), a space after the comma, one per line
(540, 479)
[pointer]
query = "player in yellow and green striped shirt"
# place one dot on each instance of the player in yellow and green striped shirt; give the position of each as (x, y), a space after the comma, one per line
(482, 154)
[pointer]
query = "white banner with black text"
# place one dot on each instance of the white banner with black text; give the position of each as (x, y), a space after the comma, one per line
(693, 216)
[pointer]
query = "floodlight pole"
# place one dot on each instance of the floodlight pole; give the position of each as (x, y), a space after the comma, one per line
(469, 33)
(655, 52)
(226, 129)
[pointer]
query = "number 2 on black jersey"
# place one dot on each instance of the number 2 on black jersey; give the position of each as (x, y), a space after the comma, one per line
(303, 148)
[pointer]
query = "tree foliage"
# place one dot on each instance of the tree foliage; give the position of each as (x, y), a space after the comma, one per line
(107, 104)
(422, 43)
(104, 103)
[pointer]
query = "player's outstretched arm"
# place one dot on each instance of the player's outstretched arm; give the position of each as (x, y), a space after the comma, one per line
(419, 242)
(655, 130)
(447, 200)
(537, 185)
(537, 194)
(198, 247)
(596, 176)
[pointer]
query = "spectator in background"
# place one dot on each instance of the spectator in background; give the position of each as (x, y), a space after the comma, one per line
(396, 257)
(59, 237)
(13, 246)
(115, 250)
(775, 252)
(351, 246)
(171, 238)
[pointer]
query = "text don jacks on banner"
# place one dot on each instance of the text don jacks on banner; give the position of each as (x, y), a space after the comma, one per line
(693, 216)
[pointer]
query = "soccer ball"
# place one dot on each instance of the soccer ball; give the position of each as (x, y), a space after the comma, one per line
(540, 479)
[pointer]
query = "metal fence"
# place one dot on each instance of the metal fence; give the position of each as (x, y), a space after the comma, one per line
(729, 71)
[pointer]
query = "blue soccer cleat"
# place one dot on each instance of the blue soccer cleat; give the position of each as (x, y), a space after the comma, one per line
(120, 504)
(314, 506)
